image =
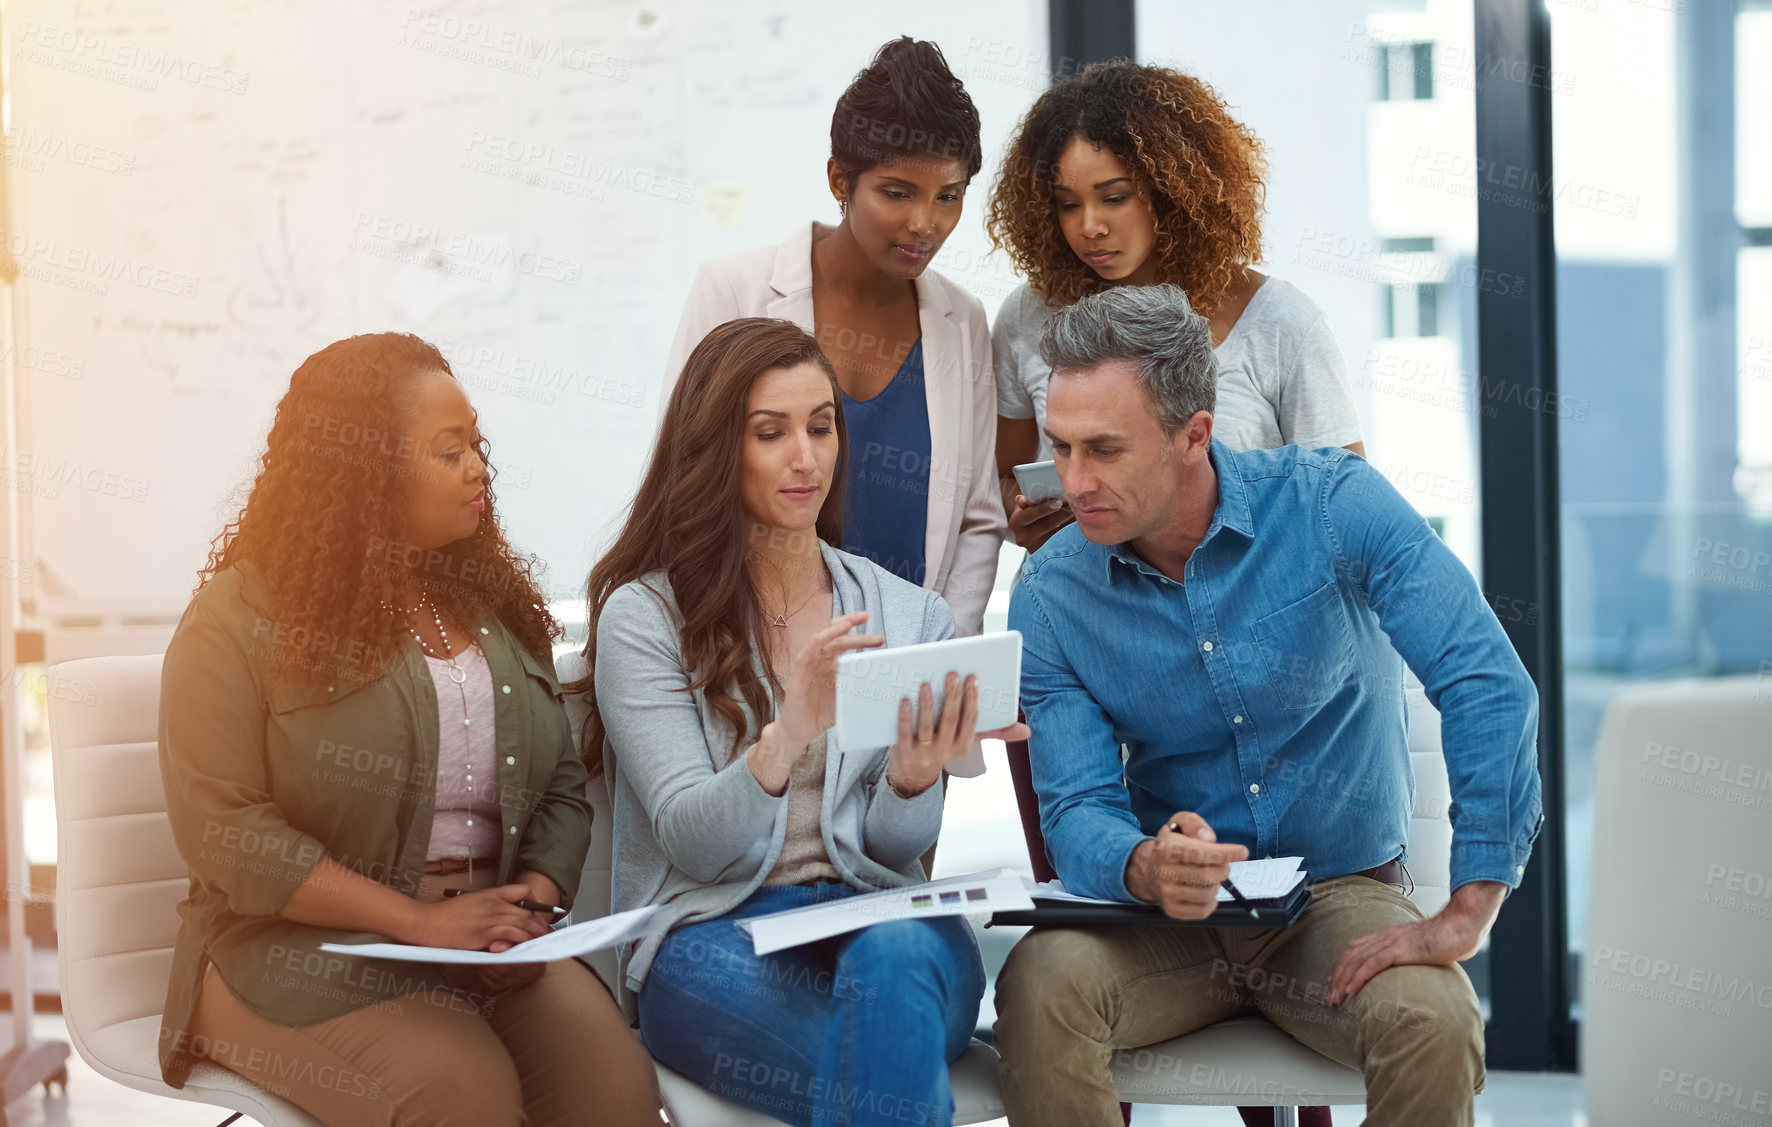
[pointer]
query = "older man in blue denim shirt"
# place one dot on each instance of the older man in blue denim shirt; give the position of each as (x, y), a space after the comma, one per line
(1235, 620)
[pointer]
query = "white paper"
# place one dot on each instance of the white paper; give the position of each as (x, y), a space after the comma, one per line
(563, 943)
(1265, 879)
(998, 891)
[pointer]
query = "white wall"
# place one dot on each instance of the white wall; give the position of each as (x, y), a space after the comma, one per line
(202, 194)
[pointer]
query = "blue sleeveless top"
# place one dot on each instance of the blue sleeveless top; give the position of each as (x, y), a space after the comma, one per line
(886, 508)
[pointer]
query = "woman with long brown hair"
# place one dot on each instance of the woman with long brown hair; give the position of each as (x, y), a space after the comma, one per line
(359, 714)
(717, 618)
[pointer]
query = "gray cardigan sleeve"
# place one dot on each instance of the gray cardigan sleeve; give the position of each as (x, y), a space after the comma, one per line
(899, 830)
(704, 818)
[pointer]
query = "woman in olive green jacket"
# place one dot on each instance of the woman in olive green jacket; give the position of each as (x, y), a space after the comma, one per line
(358, 713)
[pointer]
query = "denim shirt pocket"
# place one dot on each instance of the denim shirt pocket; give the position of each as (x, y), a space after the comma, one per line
(1306, 648)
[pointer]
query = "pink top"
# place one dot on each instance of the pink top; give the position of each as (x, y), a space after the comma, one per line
(467, 819)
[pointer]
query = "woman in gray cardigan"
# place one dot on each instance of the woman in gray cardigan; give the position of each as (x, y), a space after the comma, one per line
(716, 621)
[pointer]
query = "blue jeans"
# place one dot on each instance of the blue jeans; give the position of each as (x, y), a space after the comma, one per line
(857, 1029)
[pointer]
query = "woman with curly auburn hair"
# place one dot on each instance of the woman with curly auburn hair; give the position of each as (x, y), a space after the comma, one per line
(362, 738)
(1125, 174)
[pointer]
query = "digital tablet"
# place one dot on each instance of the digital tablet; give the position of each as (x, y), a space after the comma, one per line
(870, 683)
(1038, 481)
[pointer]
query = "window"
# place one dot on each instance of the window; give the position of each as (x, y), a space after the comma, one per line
(1412, 310)
(1407, 73)
(1664, 296)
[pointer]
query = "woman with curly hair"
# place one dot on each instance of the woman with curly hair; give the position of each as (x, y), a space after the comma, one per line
(1125, 174)
(716, 621)
(358, 718)
(911, 348)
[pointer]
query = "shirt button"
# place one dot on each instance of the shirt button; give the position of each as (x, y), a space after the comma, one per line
(1519, 870)
(511, 760)
(513, 829)
(1236, 719)
(507, 688)
(484, 630)
(1208, 647)
(1254, 788)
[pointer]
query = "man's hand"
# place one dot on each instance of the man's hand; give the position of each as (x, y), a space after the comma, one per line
(1452, 936)
(1180, 870)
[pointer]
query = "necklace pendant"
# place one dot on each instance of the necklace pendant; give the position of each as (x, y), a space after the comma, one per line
(457, 673)
(778, 620)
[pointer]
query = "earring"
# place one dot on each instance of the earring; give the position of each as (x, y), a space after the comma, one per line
(843, 208)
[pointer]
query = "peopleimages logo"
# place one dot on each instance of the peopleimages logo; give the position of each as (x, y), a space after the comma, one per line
(93, 54)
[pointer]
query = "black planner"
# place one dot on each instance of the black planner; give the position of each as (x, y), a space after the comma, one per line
(1280, 911)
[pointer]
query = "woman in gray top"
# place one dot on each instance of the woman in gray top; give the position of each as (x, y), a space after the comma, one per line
(717, 618)
(1137, 175)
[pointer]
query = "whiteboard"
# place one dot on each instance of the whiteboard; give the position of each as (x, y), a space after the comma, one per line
(201, 193)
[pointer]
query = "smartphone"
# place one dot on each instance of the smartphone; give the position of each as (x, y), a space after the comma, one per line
(1039, 482)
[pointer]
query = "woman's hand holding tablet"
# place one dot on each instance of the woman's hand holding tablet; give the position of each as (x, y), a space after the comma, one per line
(874, 688)
(808, 700)
(926, 743)
(874, 707)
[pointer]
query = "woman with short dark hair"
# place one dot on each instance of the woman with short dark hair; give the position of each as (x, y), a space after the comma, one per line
(911, 349)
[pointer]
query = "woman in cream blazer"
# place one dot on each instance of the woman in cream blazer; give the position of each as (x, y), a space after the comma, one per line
(901, 159)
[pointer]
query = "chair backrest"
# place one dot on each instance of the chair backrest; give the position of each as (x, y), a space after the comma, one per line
(1676, 990)
(119, 876)
(1430, 820)
(593, 886)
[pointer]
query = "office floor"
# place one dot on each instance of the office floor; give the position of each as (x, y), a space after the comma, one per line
(1514, 1099)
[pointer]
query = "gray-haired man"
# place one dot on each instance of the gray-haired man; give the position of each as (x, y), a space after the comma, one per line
(1230, 618)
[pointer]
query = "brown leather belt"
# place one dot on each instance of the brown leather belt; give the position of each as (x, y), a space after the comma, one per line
(1391, 872)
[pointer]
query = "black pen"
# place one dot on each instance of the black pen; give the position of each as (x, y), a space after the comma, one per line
(526, 905)
(1242, 901)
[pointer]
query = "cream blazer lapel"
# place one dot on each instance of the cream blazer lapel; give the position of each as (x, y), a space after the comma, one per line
(790, 283)
(943, 391)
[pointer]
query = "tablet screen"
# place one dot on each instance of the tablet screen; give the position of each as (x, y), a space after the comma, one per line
(872, 682)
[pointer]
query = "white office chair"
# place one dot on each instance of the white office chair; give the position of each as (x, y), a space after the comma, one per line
(119, 881)
(973, 1076)
(1248, 1061)
(1676, 995)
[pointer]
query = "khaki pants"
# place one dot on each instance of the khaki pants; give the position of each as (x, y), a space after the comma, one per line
(554, 1052)
(1068, 999)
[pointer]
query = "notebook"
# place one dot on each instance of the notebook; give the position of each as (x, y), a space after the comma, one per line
(1273, 887)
